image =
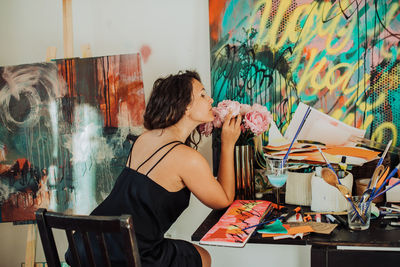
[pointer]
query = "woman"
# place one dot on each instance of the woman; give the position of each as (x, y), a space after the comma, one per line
(162, 170)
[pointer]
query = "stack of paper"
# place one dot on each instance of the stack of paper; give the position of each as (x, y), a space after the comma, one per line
(334, 137)
(305, 152)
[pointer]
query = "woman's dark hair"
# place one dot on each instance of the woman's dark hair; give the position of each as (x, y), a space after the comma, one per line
(168, 102)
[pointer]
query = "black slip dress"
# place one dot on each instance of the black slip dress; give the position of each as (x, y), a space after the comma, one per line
(154, 209)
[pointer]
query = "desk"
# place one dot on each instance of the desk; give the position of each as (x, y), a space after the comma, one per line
(375, 247)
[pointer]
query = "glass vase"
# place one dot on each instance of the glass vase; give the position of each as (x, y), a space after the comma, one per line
(244, 172)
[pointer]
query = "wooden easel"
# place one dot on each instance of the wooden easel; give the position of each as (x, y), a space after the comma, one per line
(30, 252)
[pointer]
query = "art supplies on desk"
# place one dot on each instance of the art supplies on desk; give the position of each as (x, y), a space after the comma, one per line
(228, 231)
(299, 229)
(355, 156)
(291, 232)
(320, 131)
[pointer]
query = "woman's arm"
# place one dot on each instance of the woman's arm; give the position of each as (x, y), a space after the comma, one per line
(197, 175)
(226, 171)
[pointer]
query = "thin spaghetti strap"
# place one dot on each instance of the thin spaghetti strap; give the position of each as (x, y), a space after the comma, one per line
(137, 169)
(163, 157)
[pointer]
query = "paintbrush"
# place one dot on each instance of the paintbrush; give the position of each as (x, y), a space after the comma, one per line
(394, 171)
(329, 164)
(381, 159)
(295, 136)
(384, 153)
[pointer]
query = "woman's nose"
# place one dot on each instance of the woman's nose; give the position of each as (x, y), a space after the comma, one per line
(211, 100)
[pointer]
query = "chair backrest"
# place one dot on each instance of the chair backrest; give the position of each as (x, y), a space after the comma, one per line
(98, 225)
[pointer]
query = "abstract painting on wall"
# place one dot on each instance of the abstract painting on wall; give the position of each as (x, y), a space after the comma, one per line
(340, 57)
(63, 129)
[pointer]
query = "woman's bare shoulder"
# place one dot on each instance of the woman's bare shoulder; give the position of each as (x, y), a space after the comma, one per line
(147, 140)
(189, 155)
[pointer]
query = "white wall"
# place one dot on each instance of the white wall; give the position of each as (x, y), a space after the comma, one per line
(177, 33)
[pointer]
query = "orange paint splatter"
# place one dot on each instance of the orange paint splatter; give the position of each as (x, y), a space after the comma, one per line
(21, 163)
(216, 8)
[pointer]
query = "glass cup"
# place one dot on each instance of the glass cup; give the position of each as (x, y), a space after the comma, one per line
(358, 222)
(277, 174)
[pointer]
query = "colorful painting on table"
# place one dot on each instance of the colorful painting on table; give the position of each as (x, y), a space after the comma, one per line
(231, 230)
(340, 57)
(63, 129)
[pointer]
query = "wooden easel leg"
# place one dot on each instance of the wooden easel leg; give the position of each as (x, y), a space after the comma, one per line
(30, 253)
(67, 29)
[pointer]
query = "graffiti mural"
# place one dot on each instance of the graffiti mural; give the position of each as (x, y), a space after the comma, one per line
(340, 57)
(63, 129)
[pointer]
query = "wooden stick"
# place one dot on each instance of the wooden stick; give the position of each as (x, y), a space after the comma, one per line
(30, 252)
(67, 29)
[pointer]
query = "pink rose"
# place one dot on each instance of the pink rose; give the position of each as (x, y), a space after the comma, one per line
(257, 122)
(229, 105)
(244, 108)
(223, 109)
(206, 128)
(259, 108)
(219, 116)
(256, 118)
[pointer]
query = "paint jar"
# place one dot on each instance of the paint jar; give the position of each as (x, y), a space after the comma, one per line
(358, 213)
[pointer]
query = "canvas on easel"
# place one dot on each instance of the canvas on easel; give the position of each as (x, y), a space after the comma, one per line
(63, 132)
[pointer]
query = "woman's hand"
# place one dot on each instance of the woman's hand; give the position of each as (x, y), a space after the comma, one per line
(231, 129)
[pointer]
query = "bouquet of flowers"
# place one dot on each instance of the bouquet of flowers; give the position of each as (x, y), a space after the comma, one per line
(255, 119)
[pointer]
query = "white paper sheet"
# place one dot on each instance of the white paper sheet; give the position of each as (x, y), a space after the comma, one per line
(275, 138)
(322, 128)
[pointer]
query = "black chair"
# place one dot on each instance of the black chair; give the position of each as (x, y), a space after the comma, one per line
(98, 225)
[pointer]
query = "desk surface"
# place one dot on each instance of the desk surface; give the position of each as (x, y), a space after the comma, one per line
(378, 235)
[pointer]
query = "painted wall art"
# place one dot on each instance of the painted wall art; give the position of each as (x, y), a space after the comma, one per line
(340, 57)
(63, 132)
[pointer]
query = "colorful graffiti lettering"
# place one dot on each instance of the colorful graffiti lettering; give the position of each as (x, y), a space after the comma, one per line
(341, 57)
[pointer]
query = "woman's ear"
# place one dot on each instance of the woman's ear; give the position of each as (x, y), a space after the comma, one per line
(188, 108)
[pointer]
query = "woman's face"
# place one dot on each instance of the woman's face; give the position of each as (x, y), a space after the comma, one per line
(200, 108)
